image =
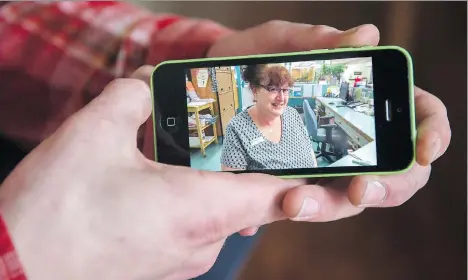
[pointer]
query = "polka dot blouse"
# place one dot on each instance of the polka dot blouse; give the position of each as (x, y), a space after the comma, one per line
(246, 148)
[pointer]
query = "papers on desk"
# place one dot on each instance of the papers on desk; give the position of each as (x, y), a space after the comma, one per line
(196, 103)
(365, 156)
(200, 102)
(361, 108)
(364, 109)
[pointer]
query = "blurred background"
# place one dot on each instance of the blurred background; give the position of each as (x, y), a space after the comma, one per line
(426, 237)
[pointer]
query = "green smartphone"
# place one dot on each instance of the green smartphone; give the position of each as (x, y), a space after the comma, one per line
(319, 113)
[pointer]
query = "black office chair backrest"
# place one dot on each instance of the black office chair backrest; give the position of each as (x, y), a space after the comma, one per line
(310, 119)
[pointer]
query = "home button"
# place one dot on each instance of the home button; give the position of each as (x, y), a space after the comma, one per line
(170, 124)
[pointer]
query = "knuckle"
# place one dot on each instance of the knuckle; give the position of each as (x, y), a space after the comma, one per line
(422, 180)
(414, 181)
(274, 23)
(399, 199)
(143, 73)
(129, 94)
(117, 82)
(129, 83)
(211, 230)
(440, 106)
(448, 137)
(273, 28)
(321, 28)
(431, 104)
(205, 23)
(205, 232)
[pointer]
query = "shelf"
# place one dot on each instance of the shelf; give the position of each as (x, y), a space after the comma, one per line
(202, 128)
(199, 128)
(207, 141)
(211, 140)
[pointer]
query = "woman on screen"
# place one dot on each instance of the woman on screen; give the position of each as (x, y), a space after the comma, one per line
(268, 134)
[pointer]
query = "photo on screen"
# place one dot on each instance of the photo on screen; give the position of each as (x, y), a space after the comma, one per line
(308, 114)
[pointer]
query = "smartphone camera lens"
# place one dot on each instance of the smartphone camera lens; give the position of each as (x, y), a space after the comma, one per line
(399, 110)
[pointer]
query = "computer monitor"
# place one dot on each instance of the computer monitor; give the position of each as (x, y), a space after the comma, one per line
(345, 93)
(344, 89)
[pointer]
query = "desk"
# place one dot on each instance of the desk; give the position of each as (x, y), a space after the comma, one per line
(196, 108)
(366, 153)
(359, 127)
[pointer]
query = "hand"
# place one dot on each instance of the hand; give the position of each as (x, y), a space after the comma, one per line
(332, 199)
(86, 204)
(378, 191)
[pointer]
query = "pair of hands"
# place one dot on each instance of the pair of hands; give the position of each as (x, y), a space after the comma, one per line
(87, 204)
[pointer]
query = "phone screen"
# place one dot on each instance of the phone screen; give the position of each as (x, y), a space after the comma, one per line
(288, 117)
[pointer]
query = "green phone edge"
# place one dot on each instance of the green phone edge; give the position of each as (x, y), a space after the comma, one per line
(320, 51)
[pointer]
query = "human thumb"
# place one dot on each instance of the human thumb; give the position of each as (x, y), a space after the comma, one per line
(228, 203)
(123, 106)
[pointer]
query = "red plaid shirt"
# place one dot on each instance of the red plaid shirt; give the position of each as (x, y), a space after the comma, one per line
(56, 57)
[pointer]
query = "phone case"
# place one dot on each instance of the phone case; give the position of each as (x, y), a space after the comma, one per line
(320, 51)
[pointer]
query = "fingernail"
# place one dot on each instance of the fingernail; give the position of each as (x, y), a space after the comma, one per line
(347, 37)
(309, 208)
(352, 30)
(435, 149)
(374, 194)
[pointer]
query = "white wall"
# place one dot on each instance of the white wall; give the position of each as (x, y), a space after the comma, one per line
(361, 67)
(247, 97)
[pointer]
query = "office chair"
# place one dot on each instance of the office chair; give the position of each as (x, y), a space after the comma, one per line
(325, 135)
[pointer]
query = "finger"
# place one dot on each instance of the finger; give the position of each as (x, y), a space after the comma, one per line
(279, 36)
(125, 103)
(188, 38)
(144, 74)
(251, 231)
(146, 134)
(434, 132)
(119, 111)
(387, 191)
(318, 204)
(228, 203)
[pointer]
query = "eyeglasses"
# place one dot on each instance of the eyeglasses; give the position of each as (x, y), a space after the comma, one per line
(276, 90)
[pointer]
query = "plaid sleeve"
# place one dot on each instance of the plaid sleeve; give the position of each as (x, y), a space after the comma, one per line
(10, 266)
(57, 56)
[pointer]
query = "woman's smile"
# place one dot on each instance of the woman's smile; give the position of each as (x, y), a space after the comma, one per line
(278, 106)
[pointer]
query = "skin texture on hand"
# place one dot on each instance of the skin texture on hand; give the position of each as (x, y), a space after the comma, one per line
(87, 204)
